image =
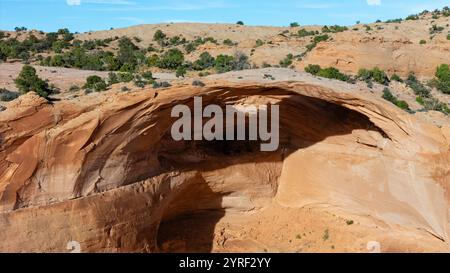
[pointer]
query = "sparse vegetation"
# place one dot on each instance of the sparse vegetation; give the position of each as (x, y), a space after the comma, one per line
(387, 95)
(436, 29)
(172, 59)
(424, 96)
(326, 235)
(269, 77)
(294, 24)
(74, 88)
(333, 29)
(286, 62)
(198, 83)
(375, 74)
(442, 80)
(412, 17)
(316, 40)
(28, 81)
(205, 61)
(396, 78)
(95, 83)
(180, 72)
(329, 73)
(259, 43)
(304, 33)
(163, 84)
(229, 42)
(390, 21)
(422, 42)
(240, 23)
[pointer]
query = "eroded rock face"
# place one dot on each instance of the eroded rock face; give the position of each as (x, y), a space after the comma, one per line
(108, 174)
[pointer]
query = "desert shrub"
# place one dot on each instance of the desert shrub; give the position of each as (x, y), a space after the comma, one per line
(190, 47)
(412, 17)
(205, 61)
(125, 77)
(161, 84)
(312, 69)
(287, 61)
(148, 75)
(172, 59)
(316, 40)
(375, 74)
(113, 78)
(387, 95)
(240, 61)
(294, 24)
(128, 54)
(177, 40)
(210, 40)
(259, 43)
(399, 20)
(198, 83)
(443, 73)
(74, 88)
(28, 80)
(124, 89)
(443, 78)
(127, 67)
(204, 74)
(418, 88)
(422, 42)
(180, 72)
(224, 63)
(95, 83)
(240, 23)
(321, 38)
(228, 42)
(303, 33)
(396, 78)
(333, 29)
(433, 104)
(153, 60)
(89, 45)
(139, 81)
(448, 37)
(159, 36)
(6, 95)
(435, 29)
(332, 73)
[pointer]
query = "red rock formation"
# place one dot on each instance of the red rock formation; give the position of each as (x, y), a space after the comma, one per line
(108, 175)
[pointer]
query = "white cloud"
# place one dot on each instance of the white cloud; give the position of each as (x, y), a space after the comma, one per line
(374, 2)
(73, 2)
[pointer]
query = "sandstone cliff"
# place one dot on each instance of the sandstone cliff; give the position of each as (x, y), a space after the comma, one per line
(106, 173)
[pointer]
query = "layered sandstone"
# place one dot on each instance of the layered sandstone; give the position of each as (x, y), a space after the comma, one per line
(105, 172)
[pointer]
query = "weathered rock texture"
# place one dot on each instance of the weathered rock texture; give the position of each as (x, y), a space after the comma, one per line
(108, 175)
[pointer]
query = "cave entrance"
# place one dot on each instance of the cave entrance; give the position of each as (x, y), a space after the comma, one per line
(189, 222)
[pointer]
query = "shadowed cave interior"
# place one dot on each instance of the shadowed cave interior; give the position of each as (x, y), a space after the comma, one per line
(189, 220)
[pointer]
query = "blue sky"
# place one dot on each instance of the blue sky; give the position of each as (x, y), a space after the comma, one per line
(85, 15)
